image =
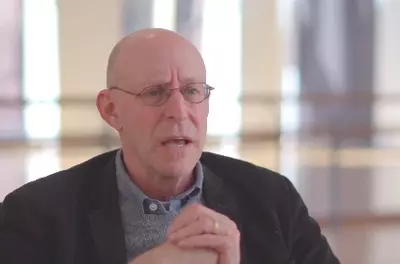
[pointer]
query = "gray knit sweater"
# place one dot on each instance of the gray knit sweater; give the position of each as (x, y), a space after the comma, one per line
(146, 220)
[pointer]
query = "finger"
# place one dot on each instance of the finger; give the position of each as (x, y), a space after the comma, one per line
(228, 247)
(219, 243)
(195, 212)
(187, 216)
(183, 219)
(201, 226)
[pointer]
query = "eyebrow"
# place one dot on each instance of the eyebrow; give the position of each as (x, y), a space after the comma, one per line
(154, 83)
(189, 80)
(183, 81)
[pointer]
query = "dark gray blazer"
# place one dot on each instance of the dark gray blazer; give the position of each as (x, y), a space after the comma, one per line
(73, 216)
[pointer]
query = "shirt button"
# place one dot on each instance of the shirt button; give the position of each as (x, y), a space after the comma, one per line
(153, 207)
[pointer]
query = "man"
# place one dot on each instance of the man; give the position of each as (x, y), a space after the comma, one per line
(160, 198)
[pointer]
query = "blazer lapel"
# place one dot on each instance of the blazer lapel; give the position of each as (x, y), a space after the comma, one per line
(105, 217)
(220, 199)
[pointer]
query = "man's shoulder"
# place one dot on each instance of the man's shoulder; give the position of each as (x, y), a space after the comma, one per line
(250, 183)
(242, 172)
(65, 183)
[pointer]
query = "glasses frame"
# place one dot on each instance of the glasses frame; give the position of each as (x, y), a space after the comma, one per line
(145, 89)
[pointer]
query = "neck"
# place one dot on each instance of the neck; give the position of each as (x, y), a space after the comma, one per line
(162, 189)
(155, 185)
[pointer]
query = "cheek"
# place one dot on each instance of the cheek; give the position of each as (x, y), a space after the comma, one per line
(204, 113)
(201, 115)
(140, 123)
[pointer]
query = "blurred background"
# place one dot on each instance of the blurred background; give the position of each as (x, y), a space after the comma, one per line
(309, 88)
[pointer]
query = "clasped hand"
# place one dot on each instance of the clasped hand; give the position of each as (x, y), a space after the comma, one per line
(198, 227)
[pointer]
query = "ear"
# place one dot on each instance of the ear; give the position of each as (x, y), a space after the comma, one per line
(107, 109)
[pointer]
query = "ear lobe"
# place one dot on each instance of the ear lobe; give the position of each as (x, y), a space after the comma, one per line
(106, 108)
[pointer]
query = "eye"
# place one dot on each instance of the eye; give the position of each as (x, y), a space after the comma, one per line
(154, 91)
(192, 90)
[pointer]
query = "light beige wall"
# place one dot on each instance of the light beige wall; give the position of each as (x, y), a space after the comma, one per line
(262, 66)
(88, 31)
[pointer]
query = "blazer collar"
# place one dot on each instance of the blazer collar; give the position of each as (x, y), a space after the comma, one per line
(219, 197)
(105, 218)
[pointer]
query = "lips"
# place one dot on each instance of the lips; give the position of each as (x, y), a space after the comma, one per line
(177, 141)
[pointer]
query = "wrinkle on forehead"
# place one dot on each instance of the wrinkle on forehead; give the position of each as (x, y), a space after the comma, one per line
(150, 55)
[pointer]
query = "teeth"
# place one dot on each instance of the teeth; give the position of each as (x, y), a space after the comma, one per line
(176, 143)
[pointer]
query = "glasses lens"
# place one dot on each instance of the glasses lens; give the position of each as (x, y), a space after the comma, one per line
(195, 92)
(155, 95)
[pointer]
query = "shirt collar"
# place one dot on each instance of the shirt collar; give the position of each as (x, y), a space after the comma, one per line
(132, 192)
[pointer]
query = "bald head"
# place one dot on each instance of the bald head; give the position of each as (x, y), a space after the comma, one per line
(157, 60)
(148, 52)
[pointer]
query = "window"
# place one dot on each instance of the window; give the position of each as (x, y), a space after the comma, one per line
(221, 49)
(41, 85)
(11, 125)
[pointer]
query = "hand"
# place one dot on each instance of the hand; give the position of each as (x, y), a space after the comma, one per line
(201, 227)
(168, 253)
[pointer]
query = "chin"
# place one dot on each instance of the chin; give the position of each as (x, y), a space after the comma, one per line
(177, 160)
(178, 166)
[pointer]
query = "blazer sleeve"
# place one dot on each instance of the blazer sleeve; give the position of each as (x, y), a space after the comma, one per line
(21, 239)
(308, 245)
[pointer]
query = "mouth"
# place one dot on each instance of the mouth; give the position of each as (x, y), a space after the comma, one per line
(179, 142)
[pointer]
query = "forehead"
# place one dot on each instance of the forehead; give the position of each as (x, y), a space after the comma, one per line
(155, 64)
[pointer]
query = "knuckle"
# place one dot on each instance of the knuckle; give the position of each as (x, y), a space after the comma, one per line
(202, 220)
(234, 226)
(204, 228)
(197, 207)
(236, 233)
(207, 224)
(227, 219)
(210, 222)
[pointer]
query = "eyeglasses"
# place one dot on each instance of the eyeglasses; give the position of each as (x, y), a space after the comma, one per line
(157, 95)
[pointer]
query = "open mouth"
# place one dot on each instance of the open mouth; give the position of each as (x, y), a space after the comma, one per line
(177, 142)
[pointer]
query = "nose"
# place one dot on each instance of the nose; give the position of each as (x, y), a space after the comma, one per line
(176, 106)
